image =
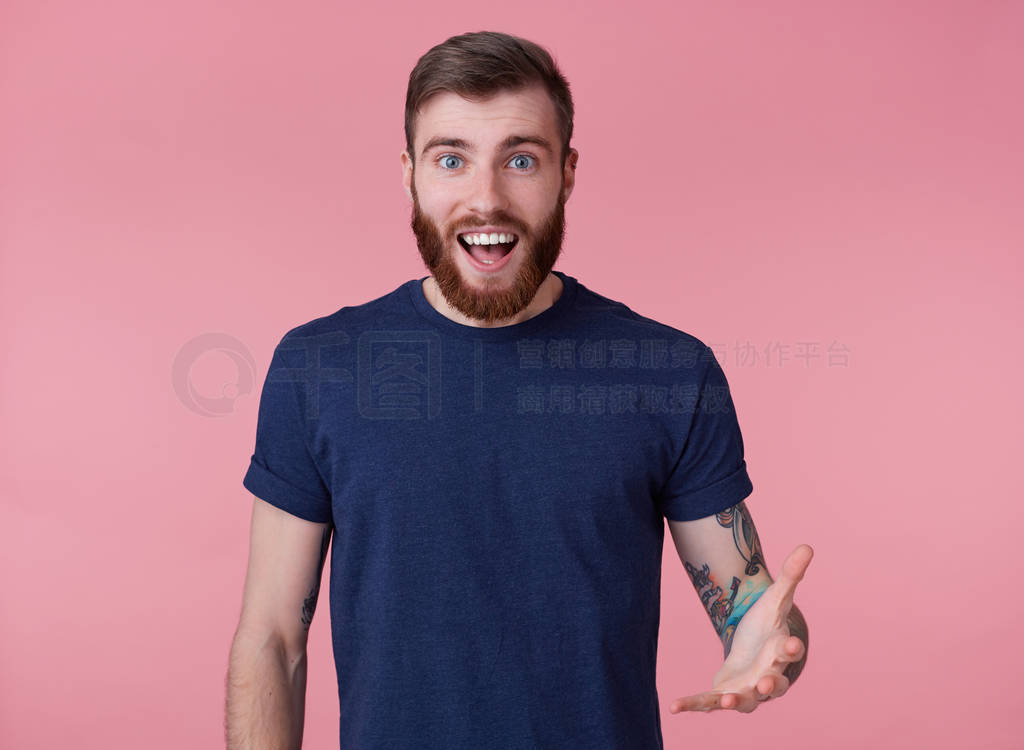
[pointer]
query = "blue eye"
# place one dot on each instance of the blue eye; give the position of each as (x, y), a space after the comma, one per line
(522, 156)
(446, 157)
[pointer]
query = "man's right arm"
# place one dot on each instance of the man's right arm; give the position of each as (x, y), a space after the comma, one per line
(266, 682)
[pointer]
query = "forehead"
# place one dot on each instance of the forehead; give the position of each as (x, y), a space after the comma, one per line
(448, 115)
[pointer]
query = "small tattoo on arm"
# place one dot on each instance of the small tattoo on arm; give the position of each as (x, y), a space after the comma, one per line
(309, 604)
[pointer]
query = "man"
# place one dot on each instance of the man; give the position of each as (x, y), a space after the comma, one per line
(494, 447)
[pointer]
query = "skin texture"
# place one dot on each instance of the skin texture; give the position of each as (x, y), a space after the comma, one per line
(453, 190)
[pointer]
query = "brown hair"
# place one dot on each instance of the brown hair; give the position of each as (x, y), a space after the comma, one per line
(479, 64)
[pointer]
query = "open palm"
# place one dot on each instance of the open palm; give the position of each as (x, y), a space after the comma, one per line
(762, 648)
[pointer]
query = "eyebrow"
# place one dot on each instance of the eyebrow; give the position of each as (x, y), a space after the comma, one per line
(511, 142)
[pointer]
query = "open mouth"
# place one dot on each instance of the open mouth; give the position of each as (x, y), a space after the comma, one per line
(481, 249)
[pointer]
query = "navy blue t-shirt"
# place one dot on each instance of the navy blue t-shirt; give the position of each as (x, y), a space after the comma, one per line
(498, 497)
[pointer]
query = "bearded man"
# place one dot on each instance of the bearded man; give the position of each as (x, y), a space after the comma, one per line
(496, 449)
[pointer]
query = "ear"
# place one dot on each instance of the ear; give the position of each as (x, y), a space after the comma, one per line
(569, 173)
(407, 174)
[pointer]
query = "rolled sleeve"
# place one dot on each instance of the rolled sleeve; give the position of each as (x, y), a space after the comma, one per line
(710, 474)
(282, 470)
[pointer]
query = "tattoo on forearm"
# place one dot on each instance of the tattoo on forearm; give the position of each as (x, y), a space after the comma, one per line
(309, 605)
(744, 534)
(717, 605)
(725, 612)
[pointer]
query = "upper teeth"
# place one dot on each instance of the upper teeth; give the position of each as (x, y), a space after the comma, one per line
(487, 239)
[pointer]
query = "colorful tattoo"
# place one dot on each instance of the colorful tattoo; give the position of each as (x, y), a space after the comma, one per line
(717, 605)
(738, 611)
(727, 611)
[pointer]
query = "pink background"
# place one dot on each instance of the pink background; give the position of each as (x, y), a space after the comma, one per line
(779, 175)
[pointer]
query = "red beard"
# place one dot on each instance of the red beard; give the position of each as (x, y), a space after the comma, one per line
(485, 303)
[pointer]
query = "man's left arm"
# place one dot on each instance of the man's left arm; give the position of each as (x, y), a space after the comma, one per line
(764, 635)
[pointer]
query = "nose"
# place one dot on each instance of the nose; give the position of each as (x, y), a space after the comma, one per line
(487, 193)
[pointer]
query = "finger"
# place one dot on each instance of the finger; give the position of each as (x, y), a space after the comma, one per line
(699, 702)
(748, 701)
(732, 701)
(795, 565)
(785, 650)
(791, 649)
(771, 685)
(793, 569)
(708, 701)
(781, 686)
